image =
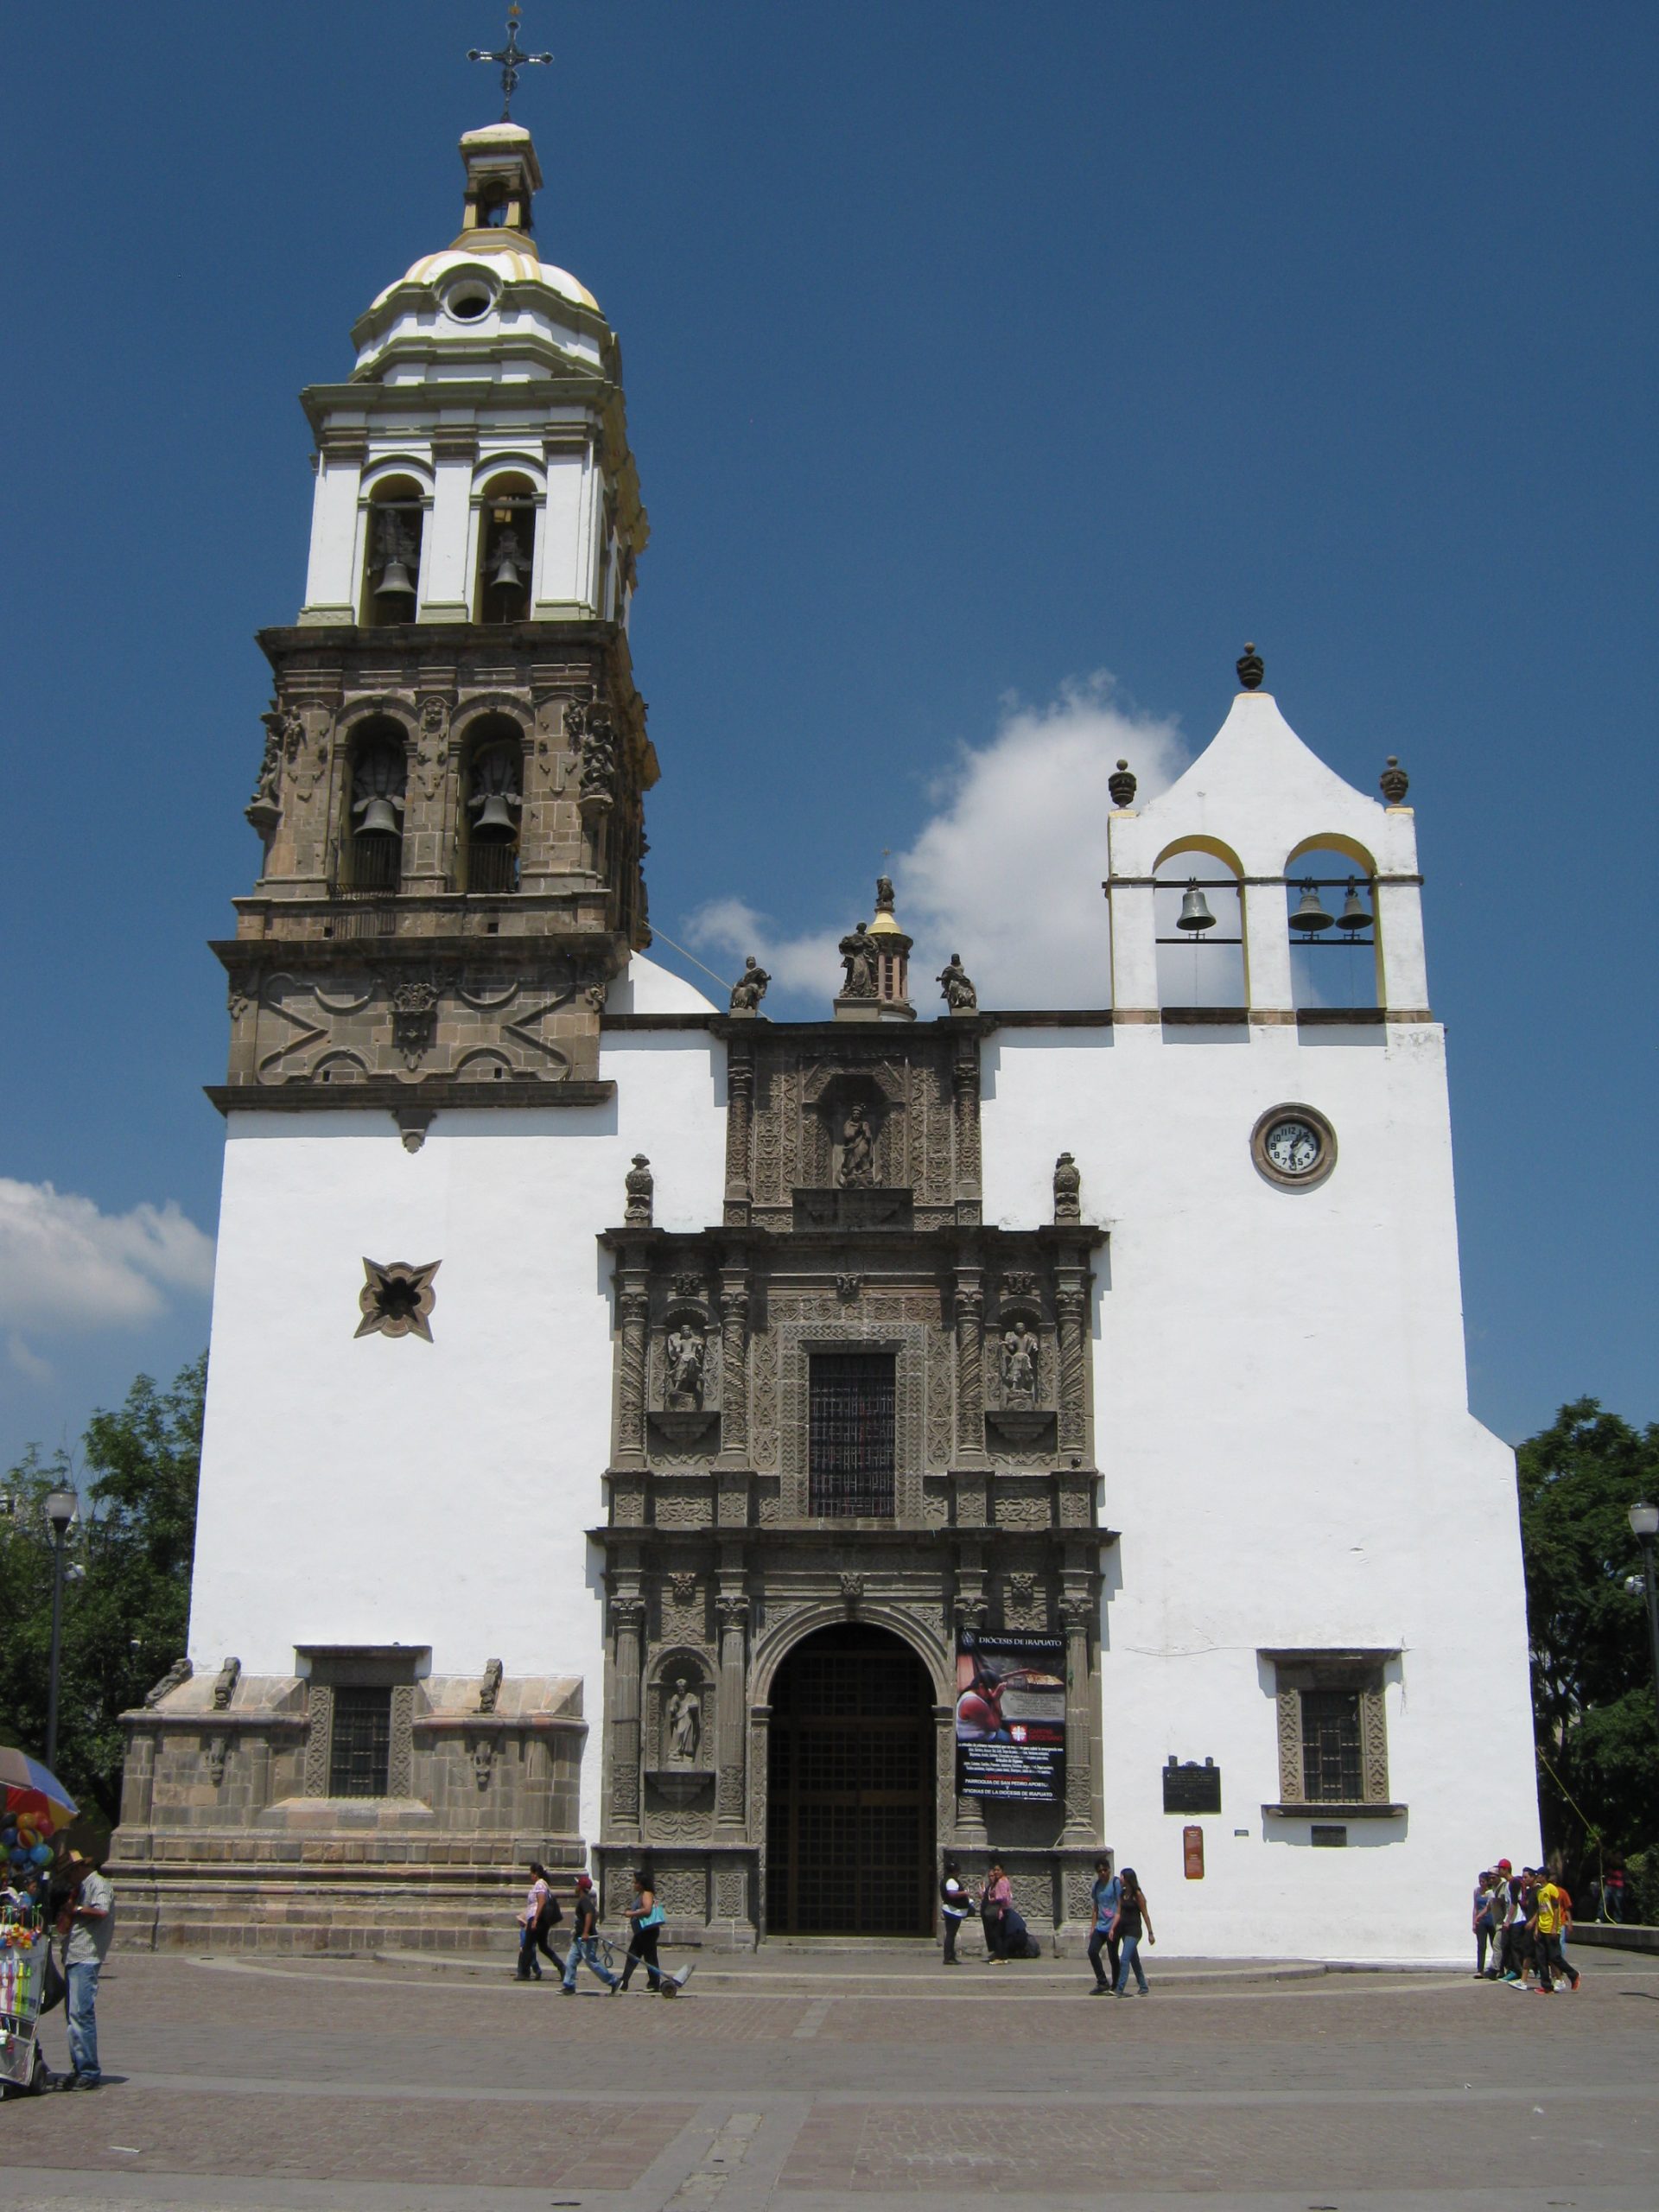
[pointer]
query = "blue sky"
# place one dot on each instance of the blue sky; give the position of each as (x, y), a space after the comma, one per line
(994, 373)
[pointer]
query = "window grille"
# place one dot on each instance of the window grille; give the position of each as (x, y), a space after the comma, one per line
(1331, 1771)
(850, 1440)
(360, 1750)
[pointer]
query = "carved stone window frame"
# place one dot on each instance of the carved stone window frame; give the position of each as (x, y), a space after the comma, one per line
(330, 1667)
(1360, 1671)
(907, 1342)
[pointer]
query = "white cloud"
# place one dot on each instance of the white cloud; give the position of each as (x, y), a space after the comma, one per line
(64, 1266)
(1007, 871)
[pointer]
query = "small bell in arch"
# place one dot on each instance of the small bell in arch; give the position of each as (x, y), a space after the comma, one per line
(1310, 916)
(507, 571)
(1356, 914)
(1195, 913)
(397, 551)
(493, 814)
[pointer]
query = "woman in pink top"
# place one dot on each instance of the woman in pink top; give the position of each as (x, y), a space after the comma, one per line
(996, 1896)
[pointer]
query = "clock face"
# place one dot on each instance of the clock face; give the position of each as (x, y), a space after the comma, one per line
(1293, 1147)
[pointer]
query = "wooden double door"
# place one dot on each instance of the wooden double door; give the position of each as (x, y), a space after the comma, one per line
(850, 1788)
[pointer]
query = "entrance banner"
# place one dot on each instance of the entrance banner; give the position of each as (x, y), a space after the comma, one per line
(1011, 1716)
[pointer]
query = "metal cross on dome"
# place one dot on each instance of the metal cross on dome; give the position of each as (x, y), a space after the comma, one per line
(512, 59)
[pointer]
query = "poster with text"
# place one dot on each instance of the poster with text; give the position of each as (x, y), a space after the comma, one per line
(1011, 1716)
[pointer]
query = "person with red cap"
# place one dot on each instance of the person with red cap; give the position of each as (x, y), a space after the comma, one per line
(1504, 1908)
(584, 1938)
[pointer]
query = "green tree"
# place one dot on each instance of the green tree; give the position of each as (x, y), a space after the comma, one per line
(1592, 1692)
(127, 1592)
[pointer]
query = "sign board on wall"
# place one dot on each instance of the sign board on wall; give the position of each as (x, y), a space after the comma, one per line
(1193, 1854)
(1011, 1716)
(1189, 1788)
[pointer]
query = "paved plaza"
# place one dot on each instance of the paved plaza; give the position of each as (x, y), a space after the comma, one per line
(800, 2082)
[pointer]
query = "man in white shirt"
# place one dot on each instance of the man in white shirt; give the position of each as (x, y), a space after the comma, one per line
(88, 1923)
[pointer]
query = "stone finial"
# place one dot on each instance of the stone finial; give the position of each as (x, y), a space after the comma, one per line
(226, 1684)
(750, 988)
(641, 1185)
(1068, 1189)
(1122, 786)
(955, 987)
(1395, 782)
(490, 1688)
(180, 1671)
(1251, 669)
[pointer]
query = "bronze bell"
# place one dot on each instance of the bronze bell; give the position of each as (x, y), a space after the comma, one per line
(394, 577)
(1195, 914)
(1310, 915)
(380, 820)
(1356, 914)
(494, 814)
(508, 573)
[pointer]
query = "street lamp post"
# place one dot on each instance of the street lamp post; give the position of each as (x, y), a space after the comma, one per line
(61, 1506)
(1645, 1527)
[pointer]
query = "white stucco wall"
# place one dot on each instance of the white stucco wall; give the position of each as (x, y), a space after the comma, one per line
(1280, 1418)
(378, 1491)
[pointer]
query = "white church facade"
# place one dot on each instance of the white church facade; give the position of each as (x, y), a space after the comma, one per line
(785, 1453)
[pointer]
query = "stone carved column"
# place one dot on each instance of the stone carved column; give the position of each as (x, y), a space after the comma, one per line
(739, 1121)
(964, 1081)
(627, 1630)
(734, 1366)
(1070, 1306)
(732, 1611)
(970, 1387)
(1077, 1616)
(634, 1319)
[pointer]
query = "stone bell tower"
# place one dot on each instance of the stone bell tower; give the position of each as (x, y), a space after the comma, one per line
(451, 795)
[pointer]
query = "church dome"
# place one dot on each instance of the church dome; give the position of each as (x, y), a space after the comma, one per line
(515, 263)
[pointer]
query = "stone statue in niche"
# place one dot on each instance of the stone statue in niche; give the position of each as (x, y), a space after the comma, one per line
(857, 1171)
(685, 1351)
(685, 1719)
(955, 988)
(858, 958)
(750, 988)
(1018, 1362)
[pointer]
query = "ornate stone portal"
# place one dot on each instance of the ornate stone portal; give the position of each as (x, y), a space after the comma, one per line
(852, 1226)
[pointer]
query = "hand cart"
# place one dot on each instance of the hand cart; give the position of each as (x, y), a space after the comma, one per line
(24, 1950)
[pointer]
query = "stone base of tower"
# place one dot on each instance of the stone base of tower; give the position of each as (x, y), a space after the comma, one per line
(230, 1838)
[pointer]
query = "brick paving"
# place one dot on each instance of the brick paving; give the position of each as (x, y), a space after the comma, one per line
(387, 2088)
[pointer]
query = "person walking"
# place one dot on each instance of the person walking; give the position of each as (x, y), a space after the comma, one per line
(996, 1897)
(953, 1910)
(584, 1938)
(541, 1913)
(87, 1920)
(1133, 1919)
(1504, 1912)
(1550, 1907)
(1107, 1893)
(645, 1919)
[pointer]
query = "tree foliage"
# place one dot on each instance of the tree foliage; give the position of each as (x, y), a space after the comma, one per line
(1592, 1689)
(125, 1612)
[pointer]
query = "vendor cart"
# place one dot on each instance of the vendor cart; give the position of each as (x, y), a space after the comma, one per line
(24, 1950)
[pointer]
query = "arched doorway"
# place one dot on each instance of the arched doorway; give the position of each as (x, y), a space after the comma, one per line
(850, 1788)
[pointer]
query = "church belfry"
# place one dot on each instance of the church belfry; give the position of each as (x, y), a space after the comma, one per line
(451, 794)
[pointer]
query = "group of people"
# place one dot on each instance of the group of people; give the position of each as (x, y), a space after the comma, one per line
(1123, 1922)
(1520, 1923)
(542, 1914)
(76, 1902)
